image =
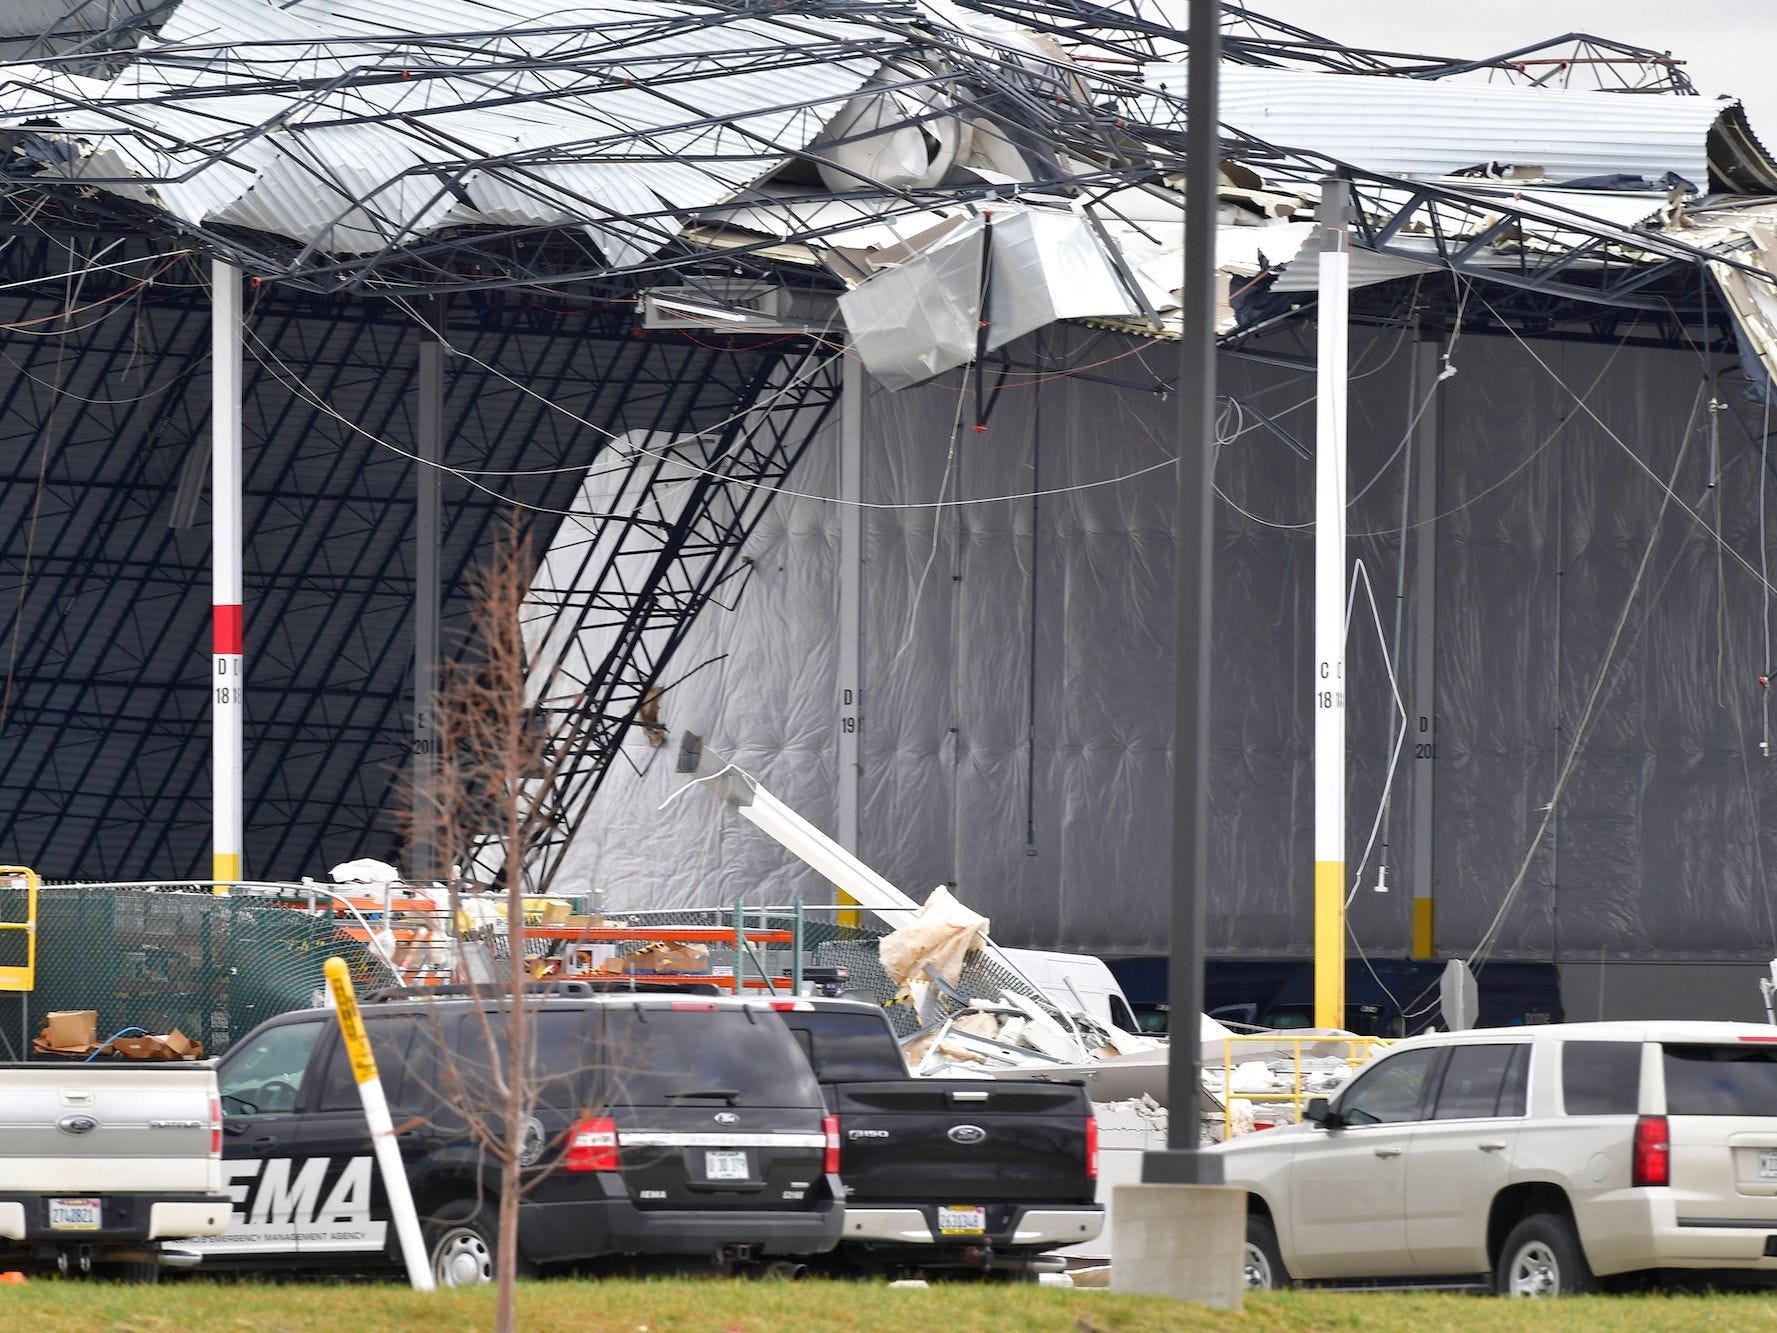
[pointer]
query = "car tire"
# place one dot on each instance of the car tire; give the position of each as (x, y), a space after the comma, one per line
(462, 1242)
(1261, 1262)
(1542, 1257)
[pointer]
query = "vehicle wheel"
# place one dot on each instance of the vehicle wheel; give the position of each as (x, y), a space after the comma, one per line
(1542, 1257)
(462, 1238)
(1262, 1262)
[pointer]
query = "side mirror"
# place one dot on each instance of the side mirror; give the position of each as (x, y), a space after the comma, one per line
(1317, 1112)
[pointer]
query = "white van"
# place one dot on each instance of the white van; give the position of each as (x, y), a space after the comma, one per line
(1075, 981)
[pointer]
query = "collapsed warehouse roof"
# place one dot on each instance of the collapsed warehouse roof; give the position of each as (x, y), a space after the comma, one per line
(376, 149)
(927, 182)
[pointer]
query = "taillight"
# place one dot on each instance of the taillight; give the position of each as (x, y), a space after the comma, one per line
(1653, 1152)
(1092, 1147)
(215, 1126)
(830, 1158)
(792, 1006)
(592, 1145)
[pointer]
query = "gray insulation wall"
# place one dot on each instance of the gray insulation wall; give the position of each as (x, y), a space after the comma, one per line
(1017, 661)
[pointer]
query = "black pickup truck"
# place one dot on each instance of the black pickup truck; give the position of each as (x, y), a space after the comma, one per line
(946, 1172)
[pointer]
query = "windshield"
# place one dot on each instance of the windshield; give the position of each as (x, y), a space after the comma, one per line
(264, 1076)
(848, 1048)
(705, 1057)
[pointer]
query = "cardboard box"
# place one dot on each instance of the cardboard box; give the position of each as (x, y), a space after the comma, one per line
(683, 958)
(71, 1029)
(174, 1045)
(662, 957)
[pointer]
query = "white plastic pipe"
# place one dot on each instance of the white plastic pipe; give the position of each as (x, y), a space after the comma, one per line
(382, 1129)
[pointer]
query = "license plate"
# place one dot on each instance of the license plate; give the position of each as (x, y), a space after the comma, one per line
(962, 1221)
(1767, 1164)
(74, 1214)
(725, 1165)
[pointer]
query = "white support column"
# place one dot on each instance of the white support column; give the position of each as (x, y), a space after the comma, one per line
(228, 683)
(1329, 609)
(851, 617)
(1424, 611)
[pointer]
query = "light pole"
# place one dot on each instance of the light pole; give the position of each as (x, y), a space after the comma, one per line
(1181, 1162)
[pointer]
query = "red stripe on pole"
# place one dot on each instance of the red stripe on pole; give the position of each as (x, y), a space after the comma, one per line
(226, 629)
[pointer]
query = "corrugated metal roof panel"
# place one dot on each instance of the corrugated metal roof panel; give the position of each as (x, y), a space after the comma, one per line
(1422, 128)
(632, 105)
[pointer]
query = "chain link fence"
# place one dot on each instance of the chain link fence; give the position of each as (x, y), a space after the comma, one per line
(215, 967)
(210, 967)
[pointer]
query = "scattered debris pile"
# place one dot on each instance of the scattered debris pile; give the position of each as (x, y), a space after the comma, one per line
(73, 1034)
(1262, 1091)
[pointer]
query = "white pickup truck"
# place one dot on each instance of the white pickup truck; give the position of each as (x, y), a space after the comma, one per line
(101, 1162)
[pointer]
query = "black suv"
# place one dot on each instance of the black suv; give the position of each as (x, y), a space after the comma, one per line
(662, 1125)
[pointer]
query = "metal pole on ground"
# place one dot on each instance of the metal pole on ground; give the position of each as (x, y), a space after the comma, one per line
(228, 696)
(382, 1129)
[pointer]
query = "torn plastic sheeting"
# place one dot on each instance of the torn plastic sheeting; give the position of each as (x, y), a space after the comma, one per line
(941, 935)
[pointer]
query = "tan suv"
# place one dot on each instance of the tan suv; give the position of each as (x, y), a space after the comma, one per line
(1541, 1160)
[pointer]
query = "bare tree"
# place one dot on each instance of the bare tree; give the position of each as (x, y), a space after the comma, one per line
(494, 758)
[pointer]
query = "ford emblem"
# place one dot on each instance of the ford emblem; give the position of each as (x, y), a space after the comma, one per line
(531, 1148)
(77, 1124)
(727, 1118)
(966, 1134)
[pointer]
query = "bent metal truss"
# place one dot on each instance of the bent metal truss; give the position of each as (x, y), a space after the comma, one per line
(640, 237)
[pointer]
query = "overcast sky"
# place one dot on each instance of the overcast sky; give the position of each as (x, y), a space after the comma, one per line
(1727, 44)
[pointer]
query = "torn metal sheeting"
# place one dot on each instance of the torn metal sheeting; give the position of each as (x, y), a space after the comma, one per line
(620, 118)
(1429, 128)
(921, 317)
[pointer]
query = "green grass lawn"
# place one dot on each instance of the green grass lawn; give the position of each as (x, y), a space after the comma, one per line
(772, 1307)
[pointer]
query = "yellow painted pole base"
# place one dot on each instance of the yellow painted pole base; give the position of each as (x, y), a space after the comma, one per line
(849, 914)
(1424, 938)
(1329, 944)
(225, 869)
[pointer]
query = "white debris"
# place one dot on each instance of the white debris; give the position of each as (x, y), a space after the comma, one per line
(365, 870)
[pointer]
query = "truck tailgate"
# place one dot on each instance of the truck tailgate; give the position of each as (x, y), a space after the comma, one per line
(90, 1128)
(976, 1139)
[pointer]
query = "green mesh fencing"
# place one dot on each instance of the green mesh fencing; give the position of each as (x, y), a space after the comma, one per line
(214, 968)
(211, 967)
